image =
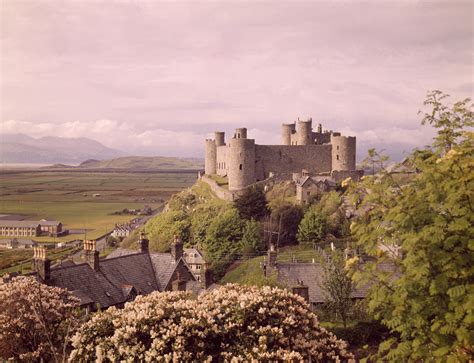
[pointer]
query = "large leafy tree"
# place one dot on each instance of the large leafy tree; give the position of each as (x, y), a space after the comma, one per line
(424, 226)
(223, 241)
(313, 227)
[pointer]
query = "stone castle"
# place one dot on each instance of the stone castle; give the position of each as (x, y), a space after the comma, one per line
(316, 152)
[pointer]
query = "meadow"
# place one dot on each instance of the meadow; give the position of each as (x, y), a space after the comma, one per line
(86, 200)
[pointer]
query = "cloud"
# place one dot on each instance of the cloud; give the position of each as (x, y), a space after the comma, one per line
(117, 135)
(150, 72)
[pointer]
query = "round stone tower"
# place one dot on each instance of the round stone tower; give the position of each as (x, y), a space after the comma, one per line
(343, 152)
(220, 138)
(286, 131)
(304, 132)
(241, 159)
(210, 157)
(240, 133)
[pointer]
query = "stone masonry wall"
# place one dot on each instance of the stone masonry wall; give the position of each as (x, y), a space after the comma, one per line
(292, 159)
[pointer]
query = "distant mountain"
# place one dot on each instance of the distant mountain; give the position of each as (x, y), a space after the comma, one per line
(144, 162)
(20, 148)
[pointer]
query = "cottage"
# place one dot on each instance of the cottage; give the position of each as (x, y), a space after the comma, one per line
(307, 186)
(195, 261)
(122, 276)
(306, 279)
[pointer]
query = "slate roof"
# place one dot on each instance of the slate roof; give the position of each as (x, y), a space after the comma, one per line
(44, 222)
(193, 255)
(312, 274)
(106, 285)
(21, 224)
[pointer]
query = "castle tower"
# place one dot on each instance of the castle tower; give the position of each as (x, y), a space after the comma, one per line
(210, 157)
(241, 159)
(220, 138)
(304, 132)
(286, 131)
(241, 133)
(343, 152)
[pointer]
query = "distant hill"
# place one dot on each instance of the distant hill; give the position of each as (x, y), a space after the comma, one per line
(144, 162)
(20, 148)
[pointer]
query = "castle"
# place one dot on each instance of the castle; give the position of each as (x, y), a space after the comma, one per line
(318, 153)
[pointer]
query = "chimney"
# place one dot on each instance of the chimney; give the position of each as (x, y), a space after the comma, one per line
(302, 290)
(91, 254)
(207, 277)
(178, 284)
(143, 243)
(177, 249)
(272, 256)
(41, 264)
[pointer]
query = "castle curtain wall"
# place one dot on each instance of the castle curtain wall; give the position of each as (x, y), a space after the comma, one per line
(292, 159)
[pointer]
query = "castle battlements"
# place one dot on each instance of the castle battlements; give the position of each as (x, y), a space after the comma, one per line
(244, 162)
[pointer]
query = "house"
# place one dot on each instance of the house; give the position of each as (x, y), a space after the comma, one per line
(122, 230)
(195, 261)
(306, 279)
(122, 276)
(51, 228)
(307, 186)
(17, 243)
(20, 228)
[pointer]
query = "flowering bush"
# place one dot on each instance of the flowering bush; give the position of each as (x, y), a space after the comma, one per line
(234, 322)
(36, 320)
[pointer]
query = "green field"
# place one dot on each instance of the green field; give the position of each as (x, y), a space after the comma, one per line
(86, 200)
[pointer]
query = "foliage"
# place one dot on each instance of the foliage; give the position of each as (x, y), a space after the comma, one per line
(425, 228)
(36, 320)
(252, 242)
(330, 206)
(162, 229)
(252, 204)
(201, 218)
(230, 323)
(223, 241)
(337, 286)
(313, 227)
(286, 217)
(112, 241)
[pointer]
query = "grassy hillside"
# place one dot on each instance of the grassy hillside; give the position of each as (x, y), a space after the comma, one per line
(144, 162)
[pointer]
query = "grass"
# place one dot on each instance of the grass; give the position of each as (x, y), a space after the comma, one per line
(221, 181)
(21, 260)
(69, 197)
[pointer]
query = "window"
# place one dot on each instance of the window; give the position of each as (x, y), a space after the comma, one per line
(337, 147)
(240, 167)
(337, 157)
(198, 267)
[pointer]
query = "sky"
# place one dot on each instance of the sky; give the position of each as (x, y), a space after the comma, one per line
(157, 78)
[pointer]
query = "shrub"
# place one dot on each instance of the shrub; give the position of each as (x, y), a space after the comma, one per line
(35, 320)
(231, 323)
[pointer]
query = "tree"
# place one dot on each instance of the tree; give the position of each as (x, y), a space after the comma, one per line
(232, 323)
(312, 228)
(111, 241)
(286, 218)
(424, 227)
(36, 321)
(252, 204)
(337, 285)
(252, 242)
(162, 229)
(223, 241)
